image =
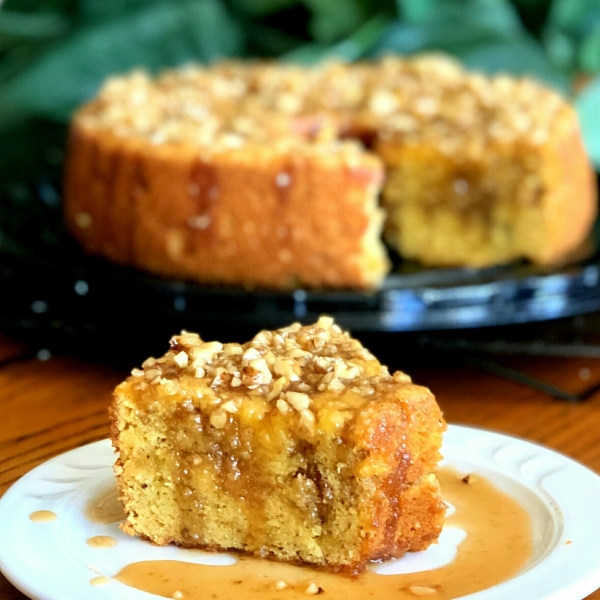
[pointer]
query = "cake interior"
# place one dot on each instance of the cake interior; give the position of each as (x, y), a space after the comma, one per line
(242, 488)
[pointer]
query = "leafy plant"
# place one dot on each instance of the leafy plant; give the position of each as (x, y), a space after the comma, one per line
(55, 54)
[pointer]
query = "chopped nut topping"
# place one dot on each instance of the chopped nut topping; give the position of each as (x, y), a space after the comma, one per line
(262, 368)
(278, 387)
(298, 400)
(152, 374)
(232, 350)
(307, 420)
(428, 97)
(282, 406)
(421, 590)
(229, 406)
(181, 358)
(325, 322)
(400, 377)
(346, 370)
(218, 419)
(286, 369)
(335, 385)
(313, 589)
(324, 362)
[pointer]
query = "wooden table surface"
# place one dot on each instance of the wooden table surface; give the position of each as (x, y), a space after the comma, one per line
(50, 406)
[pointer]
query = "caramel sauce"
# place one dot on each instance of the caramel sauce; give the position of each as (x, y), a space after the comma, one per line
(497, 547)
(101, 541)
(42, 516)
(106, 508)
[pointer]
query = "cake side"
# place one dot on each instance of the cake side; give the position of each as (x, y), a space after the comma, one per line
(283, 447)
(275, 216)
(503, 177)
(571, 189)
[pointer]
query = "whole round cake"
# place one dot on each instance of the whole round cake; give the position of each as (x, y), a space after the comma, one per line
(274, 175)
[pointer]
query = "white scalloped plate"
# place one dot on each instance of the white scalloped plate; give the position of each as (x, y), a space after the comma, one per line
(51, 561)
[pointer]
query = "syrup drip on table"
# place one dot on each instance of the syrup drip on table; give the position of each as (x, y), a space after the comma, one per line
(497, 547)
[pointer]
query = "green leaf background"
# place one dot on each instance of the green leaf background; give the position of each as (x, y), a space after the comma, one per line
(54, 54)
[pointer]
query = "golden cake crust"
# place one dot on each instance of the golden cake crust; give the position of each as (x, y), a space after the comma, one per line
(298, 446)
(250, 216)
(266, 174)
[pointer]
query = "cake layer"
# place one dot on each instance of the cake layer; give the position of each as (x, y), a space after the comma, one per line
(298, 445)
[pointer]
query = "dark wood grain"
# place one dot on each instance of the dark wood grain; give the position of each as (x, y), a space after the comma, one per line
(49, 407)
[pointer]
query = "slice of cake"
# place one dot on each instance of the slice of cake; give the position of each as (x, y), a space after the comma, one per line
(298, 445)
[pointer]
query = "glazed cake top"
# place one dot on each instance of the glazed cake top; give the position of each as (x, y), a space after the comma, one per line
(428, 98)
(297, 370)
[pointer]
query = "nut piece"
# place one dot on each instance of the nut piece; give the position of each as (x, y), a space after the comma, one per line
(280, 585)
(307, 419)
(421, 590)
(313, 589)
(335, 385)
(400, 377)
(287, 367)
(325, 322)
(251, 354)
(206, 351)
(229, 406)
(232, 349)
(298, 400)
(182, 359)
(279, 385)
(261, 366)
(346, 370)
(282, 406)
(218, 419)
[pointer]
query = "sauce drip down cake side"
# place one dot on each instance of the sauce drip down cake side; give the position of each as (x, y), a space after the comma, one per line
(298, 445)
